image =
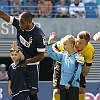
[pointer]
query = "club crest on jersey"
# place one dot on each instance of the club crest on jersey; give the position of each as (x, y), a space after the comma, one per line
(24, 42)
(71, 61)
(30, 40)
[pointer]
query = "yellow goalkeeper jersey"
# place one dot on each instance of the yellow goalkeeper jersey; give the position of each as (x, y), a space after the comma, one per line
(88, 53)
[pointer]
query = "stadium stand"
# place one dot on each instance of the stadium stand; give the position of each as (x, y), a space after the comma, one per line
(91, 10)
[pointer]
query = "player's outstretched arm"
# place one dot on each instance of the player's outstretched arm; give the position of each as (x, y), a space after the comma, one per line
(51, 37)
(85, 70)
(4, 16)
(15, 47)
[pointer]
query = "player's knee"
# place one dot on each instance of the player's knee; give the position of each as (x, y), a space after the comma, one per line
(81, 90)
(32, 92)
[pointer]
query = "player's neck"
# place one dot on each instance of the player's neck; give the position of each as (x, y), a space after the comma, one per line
(16, 62)
(71, 52)
(31, 26)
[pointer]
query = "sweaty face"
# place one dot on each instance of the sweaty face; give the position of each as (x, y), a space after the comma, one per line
(23, 24)
(80, 44)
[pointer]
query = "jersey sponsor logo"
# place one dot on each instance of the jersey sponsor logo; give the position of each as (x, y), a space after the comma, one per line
(24, 42)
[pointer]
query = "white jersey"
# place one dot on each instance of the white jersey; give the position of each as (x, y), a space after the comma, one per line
(73, 8)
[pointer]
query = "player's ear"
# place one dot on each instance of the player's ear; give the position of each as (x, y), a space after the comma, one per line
(86, 43)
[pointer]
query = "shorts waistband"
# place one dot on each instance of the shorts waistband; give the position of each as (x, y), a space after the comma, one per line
(36, 63)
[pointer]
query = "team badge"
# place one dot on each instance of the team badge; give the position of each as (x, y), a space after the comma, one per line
(44, 40)
(71, 61)
(30, 40)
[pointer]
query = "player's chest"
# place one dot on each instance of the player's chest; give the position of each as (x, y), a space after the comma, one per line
(27, 38)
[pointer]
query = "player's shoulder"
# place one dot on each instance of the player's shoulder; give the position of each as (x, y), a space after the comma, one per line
(88, 50)
(90, 47)
(39, 31)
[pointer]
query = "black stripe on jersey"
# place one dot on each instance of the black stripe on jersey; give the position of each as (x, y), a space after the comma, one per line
(88, 64)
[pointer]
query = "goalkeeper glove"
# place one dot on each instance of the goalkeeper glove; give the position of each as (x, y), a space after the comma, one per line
(60, 46)
(80, 59)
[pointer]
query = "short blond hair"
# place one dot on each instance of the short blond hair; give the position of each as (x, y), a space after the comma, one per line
(19, 48)
(84, 35)
(69, 38)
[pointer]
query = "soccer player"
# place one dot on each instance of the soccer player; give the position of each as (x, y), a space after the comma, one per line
(87, 50)
(32, 40)
(70, 68)
(17, 85)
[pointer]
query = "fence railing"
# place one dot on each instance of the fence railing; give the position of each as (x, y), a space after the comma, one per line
(51, 12)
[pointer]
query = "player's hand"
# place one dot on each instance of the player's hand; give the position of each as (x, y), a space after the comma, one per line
(67, 86)
(14, 46)
(51, 37)
(10, 92)
(80, 59)
(96, 37)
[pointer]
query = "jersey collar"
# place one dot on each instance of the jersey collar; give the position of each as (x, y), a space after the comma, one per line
(31, 28)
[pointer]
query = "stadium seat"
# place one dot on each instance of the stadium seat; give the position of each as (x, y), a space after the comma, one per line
(4, 7)
(90, 9)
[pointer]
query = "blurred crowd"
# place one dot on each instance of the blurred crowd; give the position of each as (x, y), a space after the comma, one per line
(53, 8)
(3, 72)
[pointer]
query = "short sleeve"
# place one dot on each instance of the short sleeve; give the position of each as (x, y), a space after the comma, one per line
(41, 43)
(89, 56)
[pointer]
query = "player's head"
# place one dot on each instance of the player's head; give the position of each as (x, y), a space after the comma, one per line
(2, 67)
(68, 42)
(25, 20)
(82, 40)
(14, 55)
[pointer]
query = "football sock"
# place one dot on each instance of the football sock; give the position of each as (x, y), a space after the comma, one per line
(81, 96)
(56, 96)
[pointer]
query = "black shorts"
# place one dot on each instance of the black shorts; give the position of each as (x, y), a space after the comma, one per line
(32, 74)
(57, 75)
(69, 94)
(21, 96)
(82, 81)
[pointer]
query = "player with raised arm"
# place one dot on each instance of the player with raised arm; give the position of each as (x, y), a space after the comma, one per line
(17, 85)
(70, 67)
(32, 40)
(87, 50)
